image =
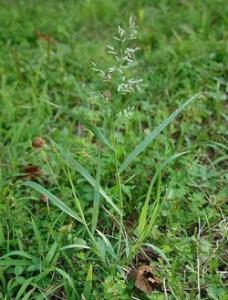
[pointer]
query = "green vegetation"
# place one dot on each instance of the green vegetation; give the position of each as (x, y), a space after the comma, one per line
(119, 171)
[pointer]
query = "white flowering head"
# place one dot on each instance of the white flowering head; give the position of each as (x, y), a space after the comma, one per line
(124, 60)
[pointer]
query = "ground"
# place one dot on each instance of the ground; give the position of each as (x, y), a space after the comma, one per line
(73, 217)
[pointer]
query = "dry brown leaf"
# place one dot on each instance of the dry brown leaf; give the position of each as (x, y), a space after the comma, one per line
(31, 172)
(44, 37)
(145, 280)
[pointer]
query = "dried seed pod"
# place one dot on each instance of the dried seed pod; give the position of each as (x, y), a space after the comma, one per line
(145, 280)
(38, 142)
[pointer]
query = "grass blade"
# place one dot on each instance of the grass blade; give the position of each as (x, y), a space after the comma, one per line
(66, 276)
(95, 130)
(73, 164)
(73, 246)
(43, 274)
(150, 137)
(107, 244)
(8, 262)
(30, 292)
(37, 236)
(155, 210)
(88, 283)
(51, 254)
(2, 237)
(159, 251)
(144, 212)
(23, 288)
(96, 201)
(97, 133)
(54, 200)
(17, 253)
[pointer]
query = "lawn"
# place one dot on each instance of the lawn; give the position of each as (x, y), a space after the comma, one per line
(113, 150)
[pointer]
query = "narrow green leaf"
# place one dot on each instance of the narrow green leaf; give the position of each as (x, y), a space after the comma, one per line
(97, 133)
(43, 274)
(51, 254)
(88, 283)
(144, 212)
(154, 210)
(54, 200)
(150, 137)
(37, 236)
(3, 279)
(17, 253)
(23, 288)
(159, 251)
(107, 244)
(2, 237)
(73, 164)
(66, 276)
(8, 262)
(95, 130)
(79, 207)
(72, 246)
(28, 295)
(96, 201)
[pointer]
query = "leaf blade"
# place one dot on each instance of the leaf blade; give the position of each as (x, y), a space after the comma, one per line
(144, 212)
(96, 201)
(62, 206)
(97, 132)
(73, 246)
(108, 244)
(73, 164)
(150, 137)
(88, 283)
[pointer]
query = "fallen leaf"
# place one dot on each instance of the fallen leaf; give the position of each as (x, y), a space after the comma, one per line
(145, 280)
(44, 37)
(31, 172)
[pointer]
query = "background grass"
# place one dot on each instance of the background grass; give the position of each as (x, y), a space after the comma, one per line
(47, 88)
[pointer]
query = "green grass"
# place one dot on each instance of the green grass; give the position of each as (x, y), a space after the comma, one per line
(157, 177)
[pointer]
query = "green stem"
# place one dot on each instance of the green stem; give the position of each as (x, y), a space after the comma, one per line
(118, 179)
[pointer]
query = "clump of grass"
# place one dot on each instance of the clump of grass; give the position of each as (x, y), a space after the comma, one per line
(126, 247)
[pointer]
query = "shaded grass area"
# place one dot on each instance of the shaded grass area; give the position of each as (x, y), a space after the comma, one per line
(48, 87)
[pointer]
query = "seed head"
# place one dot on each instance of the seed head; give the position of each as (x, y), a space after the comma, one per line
(38, 142)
